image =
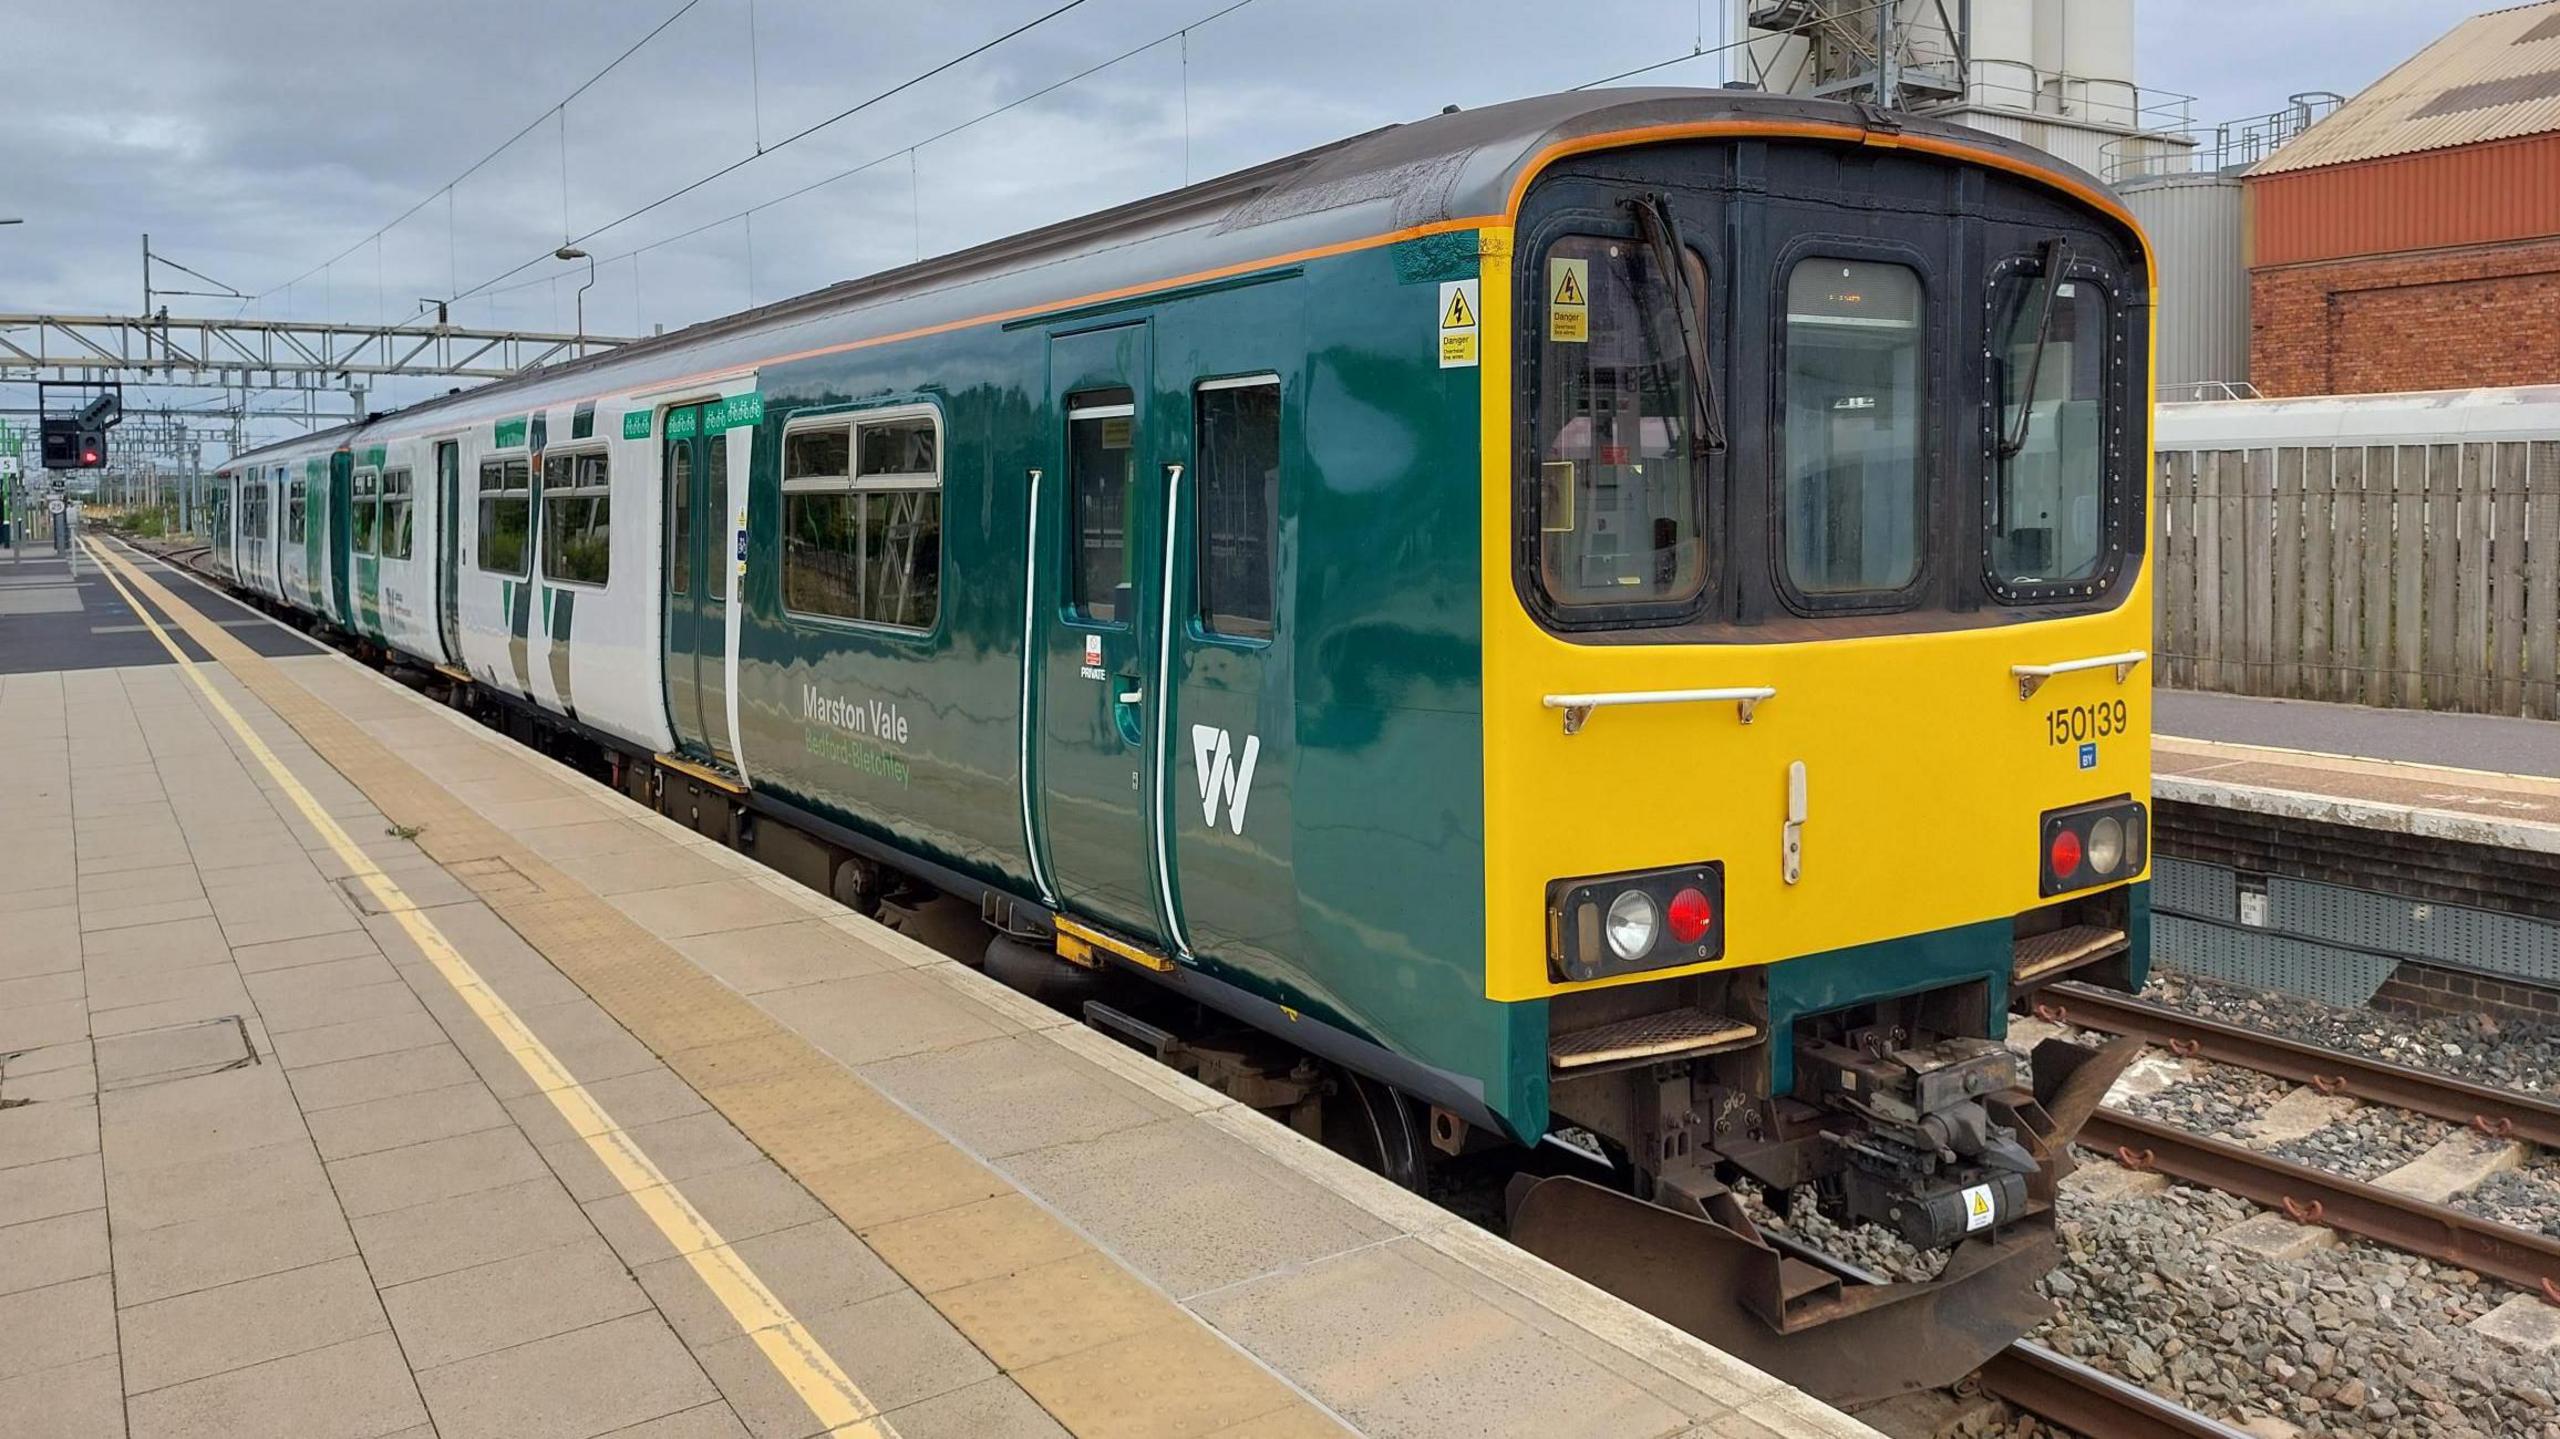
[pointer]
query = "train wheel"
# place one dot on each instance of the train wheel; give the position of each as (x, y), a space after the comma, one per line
(1380, 1127)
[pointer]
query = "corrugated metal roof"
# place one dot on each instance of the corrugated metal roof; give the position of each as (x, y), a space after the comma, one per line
(2492, 77)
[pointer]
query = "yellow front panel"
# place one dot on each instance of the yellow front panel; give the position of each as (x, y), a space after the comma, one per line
(1926, 773)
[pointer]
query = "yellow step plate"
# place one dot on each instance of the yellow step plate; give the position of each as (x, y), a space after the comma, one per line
(1671, 1035)
(695, 769)
(2041, 955)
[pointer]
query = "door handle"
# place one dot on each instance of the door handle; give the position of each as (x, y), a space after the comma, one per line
(1130, 697)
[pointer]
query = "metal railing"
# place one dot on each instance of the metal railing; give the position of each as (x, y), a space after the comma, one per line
(2227, 148)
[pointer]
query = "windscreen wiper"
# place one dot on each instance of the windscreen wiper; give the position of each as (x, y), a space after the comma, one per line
(1662, 240)
(2057, 259)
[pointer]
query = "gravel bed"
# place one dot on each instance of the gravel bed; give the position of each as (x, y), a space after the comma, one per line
(2528, 1198)
(2367, 1142)
(2353, 1340)
(2215, 1102)
(2482, 1049)
(1864, 1245)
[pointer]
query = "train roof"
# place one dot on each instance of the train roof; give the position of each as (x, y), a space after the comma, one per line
(1453, 168)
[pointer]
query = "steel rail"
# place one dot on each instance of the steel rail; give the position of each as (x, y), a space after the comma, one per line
(2089, 1401)
(2310, 1196)
(2497, 1113)
(2042, 1382)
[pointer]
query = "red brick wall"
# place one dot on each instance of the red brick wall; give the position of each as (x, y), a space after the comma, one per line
(2437, 320)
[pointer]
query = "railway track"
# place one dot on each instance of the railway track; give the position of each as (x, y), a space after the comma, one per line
(2520, 1257)
(2090, 1401)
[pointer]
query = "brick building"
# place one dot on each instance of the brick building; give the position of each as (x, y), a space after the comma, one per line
(2411, 240)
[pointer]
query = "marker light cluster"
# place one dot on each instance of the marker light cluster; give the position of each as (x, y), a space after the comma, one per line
(2093, 844)
(1627, 923)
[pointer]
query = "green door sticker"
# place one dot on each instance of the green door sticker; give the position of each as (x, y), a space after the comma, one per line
(635, 424)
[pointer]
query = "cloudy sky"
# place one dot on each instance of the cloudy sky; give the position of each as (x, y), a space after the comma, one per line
(268, 143)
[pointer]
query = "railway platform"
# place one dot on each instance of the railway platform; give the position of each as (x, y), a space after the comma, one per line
(362, 1073)
(2475, 778)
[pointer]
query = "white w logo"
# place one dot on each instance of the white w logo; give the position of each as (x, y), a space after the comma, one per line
(1221, 779)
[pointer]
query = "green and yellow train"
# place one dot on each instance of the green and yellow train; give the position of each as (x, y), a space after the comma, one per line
(1614, 620)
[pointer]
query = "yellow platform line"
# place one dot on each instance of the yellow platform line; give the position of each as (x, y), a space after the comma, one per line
(794, 1352)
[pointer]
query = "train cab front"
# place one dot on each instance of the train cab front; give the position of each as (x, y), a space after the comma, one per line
(1817, 713)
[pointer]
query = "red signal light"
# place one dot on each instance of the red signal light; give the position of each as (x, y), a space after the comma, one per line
(88, 454)
(1690, 914)
(2066, 853)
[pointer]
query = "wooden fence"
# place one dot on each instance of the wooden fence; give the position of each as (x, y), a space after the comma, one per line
(2419, 576)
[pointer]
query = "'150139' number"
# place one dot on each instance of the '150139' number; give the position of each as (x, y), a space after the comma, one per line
(2073, 724)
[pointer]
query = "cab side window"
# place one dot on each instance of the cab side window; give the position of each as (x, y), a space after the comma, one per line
(1237, 429)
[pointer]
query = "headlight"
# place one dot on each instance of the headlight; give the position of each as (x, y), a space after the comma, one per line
(2106, 845)
(1633, 921)
(1612, 924)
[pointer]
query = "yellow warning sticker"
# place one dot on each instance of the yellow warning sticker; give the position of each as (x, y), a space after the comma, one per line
(1568, 300)
(1458, 328)
(1977, 1207)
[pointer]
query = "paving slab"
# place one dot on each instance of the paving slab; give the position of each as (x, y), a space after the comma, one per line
(562, 1119)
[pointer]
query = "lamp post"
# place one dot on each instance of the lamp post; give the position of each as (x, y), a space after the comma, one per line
(572, 252)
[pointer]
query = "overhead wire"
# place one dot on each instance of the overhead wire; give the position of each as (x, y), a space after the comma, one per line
(796, 136)
(529, 127)
(908, 151)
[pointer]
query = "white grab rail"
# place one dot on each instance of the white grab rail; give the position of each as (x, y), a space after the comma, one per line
(2030, 678)
(1578, 708)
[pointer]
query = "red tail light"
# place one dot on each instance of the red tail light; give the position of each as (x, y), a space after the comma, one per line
(1690, 914)
(2066, 854)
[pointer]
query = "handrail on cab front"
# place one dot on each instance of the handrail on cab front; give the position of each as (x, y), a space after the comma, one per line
(1578, 708)
(2030, 678)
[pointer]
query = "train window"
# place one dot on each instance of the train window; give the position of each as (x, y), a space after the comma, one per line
(680, 519)
(577, 519)
(1621, 495)
(1237, 432)
(506, 515)
(2048, 515)
(364, 498)
(1854, 394)
(862, 519)
(397, 496)
(295, 510)
(1101, 470)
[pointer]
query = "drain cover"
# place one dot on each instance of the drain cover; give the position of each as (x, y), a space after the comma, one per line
(156, 1056)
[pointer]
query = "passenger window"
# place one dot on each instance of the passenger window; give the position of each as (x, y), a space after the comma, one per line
(393, 529)
(577, 519)
(680, 518)
(2048, 516)
(362, 499)
(1237, 433)
(506, 515)
(862, 520)
(1620, 497)
(1101, 469)
(294, 523)
(1852, 466)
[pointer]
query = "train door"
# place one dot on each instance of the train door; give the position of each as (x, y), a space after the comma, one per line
(449, 548)
(695, 649)
(337, 531)
(1091, 585)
